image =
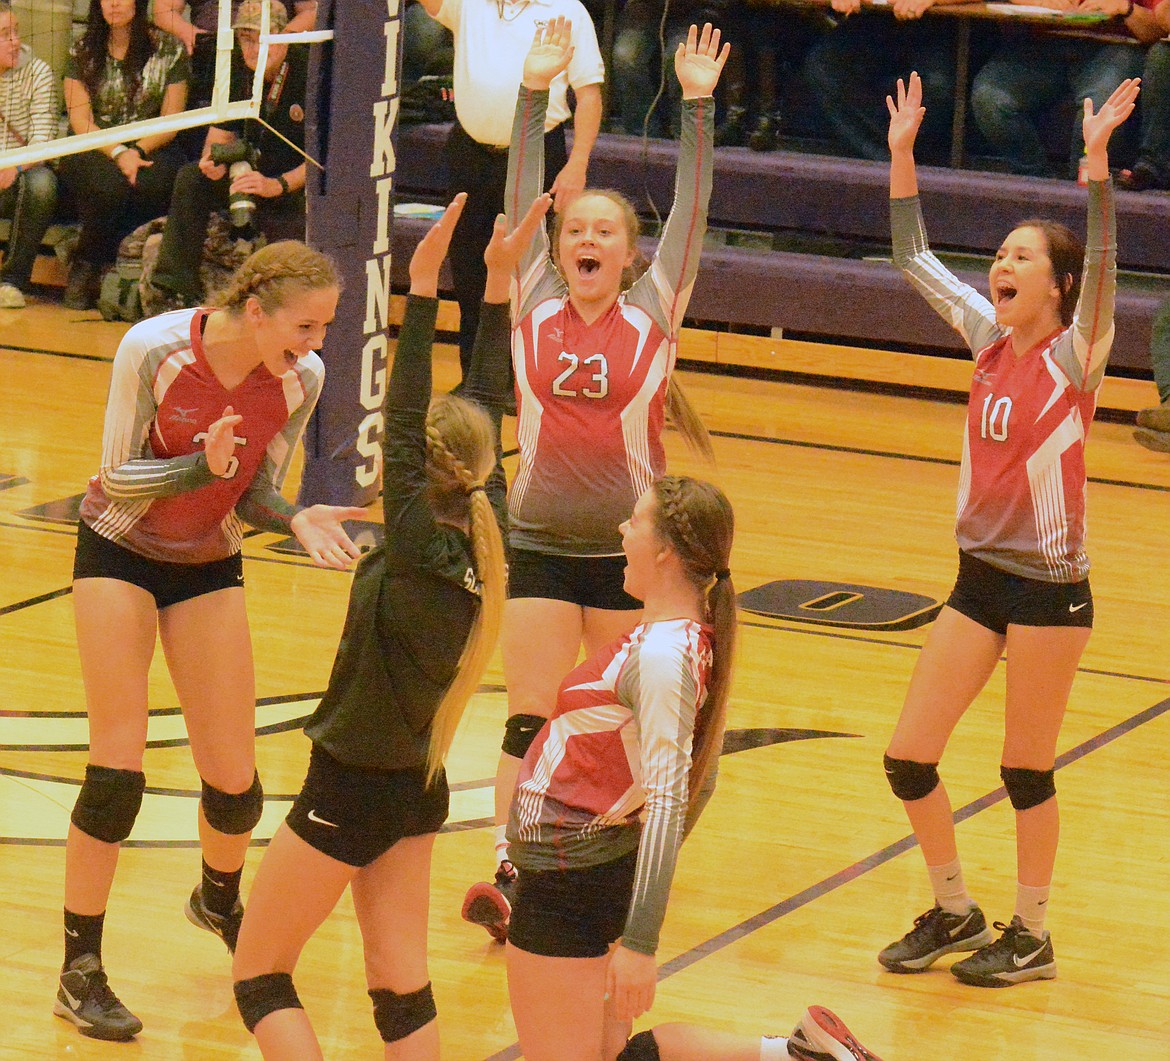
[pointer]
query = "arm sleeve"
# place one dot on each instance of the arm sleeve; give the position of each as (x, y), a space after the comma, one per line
(487, 384)
(666, 693)
(128, 472)
(665, 289)
(536, 276)
(45, 106)
(1083, 351)
(959, 304)
(262, 504)
(410, 524)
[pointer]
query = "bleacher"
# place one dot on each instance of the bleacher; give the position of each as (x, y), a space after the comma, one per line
(800, 242)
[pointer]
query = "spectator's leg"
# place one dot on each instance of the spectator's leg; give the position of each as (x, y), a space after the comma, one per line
(101, 194)
(1160, 350)
(282, 217)
(635, 67)
(1154, 104)
(930, 49)
(35, 203)
(1016, 83)
(152, 190)
(1096, 77)
(176, 270)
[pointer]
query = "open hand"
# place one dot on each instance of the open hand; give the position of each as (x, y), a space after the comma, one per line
(699, 61)
(906, 114)
(319, 529)
(428, 255)
(550, 54)
(1119, 106)
(506, 248)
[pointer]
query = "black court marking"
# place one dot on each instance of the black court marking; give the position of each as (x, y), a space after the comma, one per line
(62, 511)
(61, 353)
(8, 480)
(843, 604)
(44, 598)
(870, 862)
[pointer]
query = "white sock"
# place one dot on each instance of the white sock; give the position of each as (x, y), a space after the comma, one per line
(1031, 908)
(774, 1048)
(501, 844)
(950, 892)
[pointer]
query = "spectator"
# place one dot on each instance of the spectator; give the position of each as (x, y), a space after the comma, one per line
(852, 68)
(1152, 168)
(276, 184)
(198, 33)
(1153, 429)
(120, 71)
(492, 38)
(28, 194)
(640, 62)
(1027, 76)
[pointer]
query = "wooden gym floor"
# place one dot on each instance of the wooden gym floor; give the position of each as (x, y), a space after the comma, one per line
(801, 869)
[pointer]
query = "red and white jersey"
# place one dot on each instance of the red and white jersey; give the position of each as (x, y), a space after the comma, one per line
(1021, 505)
(592, 397)
(155, 494)
(611, 769)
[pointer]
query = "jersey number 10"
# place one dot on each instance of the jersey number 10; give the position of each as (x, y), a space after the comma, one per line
(995, 418)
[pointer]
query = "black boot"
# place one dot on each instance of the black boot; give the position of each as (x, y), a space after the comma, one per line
(81, 291)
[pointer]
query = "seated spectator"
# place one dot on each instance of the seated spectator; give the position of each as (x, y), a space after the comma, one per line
(276, 183)
(121, 70)
(646, 94)
(1030, 73)
(197, 33)
(1153, 430)
(852, 69)
(1152, 167)
(28, 194)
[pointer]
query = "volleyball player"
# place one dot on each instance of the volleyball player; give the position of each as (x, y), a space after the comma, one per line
(1040, 348)
(205, 409)
(423, 616)
(593, 354)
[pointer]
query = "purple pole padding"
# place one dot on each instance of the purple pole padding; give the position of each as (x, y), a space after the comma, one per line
(352, 116)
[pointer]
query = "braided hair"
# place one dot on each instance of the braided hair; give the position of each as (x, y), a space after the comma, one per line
(697, 521)
(461, 454)
(273, 274)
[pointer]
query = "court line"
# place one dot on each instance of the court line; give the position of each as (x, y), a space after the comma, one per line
(871, 862)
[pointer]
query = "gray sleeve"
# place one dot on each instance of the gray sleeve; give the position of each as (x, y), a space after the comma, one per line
(1083, 350)
(959, 304)
(665, 288)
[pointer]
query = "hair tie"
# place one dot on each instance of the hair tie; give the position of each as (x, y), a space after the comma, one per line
(722, 574)
(478, 486)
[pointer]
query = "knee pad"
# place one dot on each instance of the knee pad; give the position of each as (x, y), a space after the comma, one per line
(519, 733)
(911, 780)
(397, 1016)
(642, 1047)
(264, 994)
(233, 813)
(108, 803)
(1028, 788)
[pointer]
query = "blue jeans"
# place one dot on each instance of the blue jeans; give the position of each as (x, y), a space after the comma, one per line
(1160, 350)
(1155, 108)
(1025, 78)
(30, 201)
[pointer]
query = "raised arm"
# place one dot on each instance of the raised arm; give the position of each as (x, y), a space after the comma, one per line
(1084, 351)
(959, 304)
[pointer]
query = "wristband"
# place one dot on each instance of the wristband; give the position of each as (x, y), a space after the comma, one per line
(284, 188)
(119, 151)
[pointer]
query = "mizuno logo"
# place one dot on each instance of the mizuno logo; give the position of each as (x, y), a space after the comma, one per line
(960, 928)
(1027, 958)
(183, 416)
(1078, 607)
(314, 817)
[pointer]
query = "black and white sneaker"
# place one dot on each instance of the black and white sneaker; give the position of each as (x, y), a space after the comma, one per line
(822, 1036)
(84, 998)
(1016, 957)
(934, 934)
(490, 905)
(226, 927)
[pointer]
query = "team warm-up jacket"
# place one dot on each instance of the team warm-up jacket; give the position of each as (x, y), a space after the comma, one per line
(610, 771)
(155, 494)
(592, 397)
(1021, 505)
(415, 597)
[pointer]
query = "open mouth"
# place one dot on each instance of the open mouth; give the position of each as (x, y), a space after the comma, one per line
(1004, 293)
(587, 265)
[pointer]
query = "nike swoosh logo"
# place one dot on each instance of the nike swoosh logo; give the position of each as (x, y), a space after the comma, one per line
(73, 1003)
(313, 817)
(1078, 607)
(70, 932)
(954, 932)
(1021, 962)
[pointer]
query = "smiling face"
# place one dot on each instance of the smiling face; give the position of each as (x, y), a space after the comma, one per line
(594, 248)
(294, 328)
(1023, 286)
(643, 546)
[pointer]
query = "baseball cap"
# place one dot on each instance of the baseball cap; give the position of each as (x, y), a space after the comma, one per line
(248, 16)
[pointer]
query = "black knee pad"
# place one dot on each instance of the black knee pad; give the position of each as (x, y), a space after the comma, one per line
(397, 1016)
(642, 1047)
(519, 733)
(911, 780)
(233, 813)
(264, 994)
(1028, 788)
(108, 803)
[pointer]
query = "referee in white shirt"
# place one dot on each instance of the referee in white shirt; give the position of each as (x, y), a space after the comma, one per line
(492, 37)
